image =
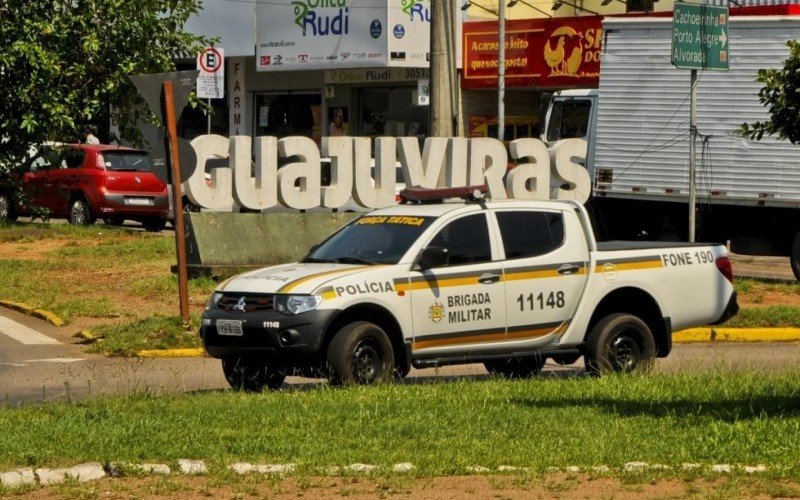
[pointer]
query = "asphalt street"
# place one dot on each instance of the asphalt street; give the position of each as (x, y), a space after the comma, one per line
(39, 363)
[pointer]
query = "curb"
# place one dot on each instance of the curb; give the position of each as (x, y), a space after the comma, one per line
(172, 353)
(48, 316)
(690, 336)
(694, 335)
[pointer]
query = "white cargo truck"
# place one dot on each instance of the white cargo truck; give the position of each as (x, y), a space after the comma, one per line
(637, 128)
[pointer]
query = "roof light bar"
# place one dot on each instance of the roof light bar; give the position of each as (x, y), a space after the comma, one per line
(427, 195)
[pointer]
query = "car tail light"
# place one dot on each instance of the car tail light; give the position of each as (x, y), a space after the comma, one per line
(724, 266)
(98, 161)
(399, 199)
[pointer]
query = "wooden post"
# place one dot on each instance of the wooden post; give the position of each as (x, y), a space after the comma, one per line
(177, 200)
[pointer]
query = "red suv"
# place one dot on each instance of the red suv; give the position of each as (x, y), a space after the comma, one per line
(84, 182)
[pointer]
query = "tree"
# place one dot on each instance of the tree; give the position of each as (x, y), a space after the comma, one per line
(65, 63)
(781, 93)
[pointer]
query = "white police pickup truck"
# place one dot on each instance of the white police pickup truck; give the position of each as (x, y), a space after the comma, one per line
(507, 283)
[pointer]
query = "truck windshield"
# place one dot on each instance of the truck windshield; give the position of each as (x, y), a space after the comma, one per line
(371, 239)
(568, 119)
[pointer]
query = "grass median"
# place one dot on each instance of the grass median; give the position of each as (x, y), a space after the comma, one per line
(117, 282)
(725, 417)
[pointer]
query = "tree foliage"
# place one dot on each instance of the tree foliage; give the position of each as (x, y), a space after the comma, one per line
(64, 63)
(781, 94)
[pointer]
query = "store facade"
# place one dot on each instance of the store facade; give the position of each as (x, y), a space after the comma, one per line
(333, 67)
(542, 56)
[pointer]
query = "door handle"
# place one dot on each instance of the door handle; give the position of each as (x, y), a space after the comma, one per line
(568, 269)
(488, 278)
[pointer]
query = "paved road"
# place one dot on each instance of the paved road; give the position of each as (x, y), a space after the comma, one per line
(39, 363)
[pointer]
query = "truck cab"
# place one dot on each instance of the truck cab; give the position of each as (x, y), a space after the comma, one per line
(572, 114)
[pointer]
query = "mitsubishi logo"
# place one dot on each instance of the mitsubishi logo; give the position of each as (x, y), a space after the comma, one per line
(240, 306)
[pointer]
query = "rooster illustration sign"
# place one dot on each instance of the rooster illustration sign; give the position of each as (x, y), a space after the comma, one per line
(544, 53)
(566, 58)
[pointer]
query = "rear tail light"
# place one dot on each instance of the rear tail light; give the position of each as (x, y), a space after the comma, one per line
(398, 199)
(724, 266)
(98, 161)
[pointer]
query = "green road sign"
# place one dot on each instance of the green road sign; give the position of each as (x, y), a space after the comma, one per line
(700, 36)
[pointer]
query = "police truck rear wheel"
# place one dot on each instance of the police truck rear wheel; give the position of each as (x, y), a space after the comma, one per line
(252, 375)
(515, 367)
(620, 343)
(360, 354)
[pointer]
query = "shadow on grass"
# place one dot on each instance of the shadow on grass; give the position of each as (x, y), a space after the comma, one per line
(726, 410)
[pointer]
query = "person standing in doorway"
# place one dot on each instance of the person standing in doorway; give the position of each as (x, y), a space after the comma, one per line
(337, 126)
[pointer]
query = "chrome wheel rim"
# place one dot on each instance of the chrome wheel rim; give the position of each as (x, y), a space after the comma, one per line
(79, 216)
(5, 206)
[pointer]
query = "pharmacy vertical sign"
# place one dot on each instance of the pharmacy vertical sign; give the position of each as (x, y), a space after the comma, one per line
(699, 41)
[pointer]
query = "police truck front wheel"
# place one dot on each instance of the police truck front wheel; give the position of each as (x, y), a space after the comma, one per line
(360, 354)
(253, 375)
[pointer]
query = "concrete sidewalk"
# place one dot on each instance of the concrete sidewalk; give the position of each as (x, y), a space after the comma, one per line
(768, 268)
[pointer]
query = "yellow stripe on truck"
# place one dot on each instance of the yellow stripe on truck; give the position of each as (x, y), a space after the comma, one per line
(294, 284)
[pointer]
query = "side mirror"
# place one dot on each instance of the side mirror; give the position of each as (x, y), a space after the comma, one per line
(434, 257)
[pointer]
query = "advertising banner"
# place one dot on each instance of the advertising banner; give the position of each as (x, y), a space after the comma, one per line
(409, 32)
(335, 34)
(540, 53)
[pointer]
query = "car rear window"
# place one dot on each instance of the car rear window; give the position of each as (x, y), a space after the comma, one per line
(133, 161)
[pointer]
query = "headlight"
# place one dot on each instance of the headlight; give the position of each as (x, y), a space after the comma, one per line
(296, 304)
(215, 297)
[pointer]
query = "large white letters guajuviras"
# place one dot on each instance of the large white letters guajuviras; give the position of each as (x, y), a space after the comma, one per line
(254, 180)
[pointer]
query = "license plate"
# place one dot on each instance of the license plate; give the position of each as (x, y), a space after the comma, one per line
(229, 327)
(138, 201)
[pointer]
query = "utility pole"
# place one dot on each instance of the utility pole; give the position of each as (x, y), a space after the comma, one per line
(441, 77)
(501, 71)
(692, 154)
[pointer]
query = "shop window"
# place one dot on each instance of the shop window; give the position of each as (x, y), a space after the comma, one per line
(285, 115)
(389, 111)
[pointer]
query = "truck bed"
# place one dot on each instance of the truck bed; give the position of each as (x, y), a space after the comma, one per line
(619, 245)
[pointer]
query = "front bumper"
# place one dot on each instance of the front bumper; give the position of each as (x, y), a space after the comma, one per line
(293, 340)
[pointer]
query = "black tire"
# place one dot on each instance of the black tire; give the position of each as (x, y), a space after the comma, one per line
(154, 225)
(516, 367)
(252, 375)
(188, 206)
(360, 354)
(80, 213)
(7, 210)
(116, 220)
(795, 257)
(620, 343)
(565, 360)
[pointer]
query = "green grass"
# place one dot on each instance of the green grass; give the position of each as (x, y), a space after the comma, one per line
(156, 332)
(758, 287)
(167, 285)
(764, 317)
(441, 427)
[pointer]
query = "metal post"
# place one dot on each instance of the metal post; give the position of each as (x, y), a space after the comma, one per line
(177, 199)
(501, 71)
(209, 116)
(692, 154)
(440, 109)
